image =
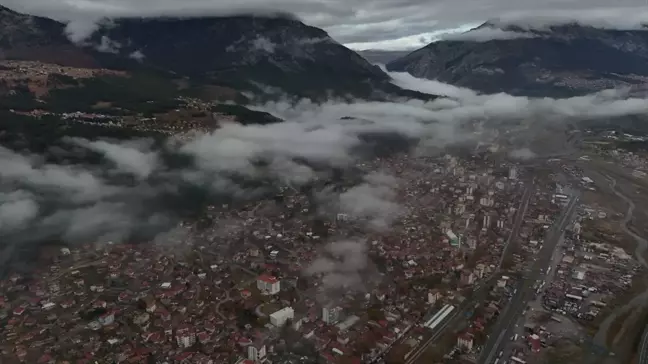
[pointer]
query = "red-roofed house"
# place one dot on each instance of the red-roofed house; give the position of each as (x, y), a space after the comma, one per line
(268, 285)
(534, 342)
(204, 337)
(46, 359)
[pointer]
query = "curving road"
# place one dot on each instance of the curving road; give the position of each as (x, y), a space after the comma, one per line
(638, 301)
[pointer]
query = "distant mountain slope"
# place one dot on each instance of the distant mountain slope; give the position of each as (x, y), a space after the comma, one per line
(382, 57)
(38, 39)
(241, 52)
(560, 61)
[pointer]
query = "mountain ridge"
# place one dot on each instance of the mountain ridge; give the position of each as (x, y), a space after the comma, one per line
(559, 61)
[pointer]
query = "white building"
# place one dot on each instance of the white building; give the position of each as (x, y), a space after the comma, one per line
(185, 336)
(486, 201)
(257, 351)
(280, 317)
(331, 315)
(268, 285)
(465, 341)
(342, 217)
(107, 318)
(479, 270)
(486, 221)
(579, 274)
(433, 296)
(577, 228)
(512, 173)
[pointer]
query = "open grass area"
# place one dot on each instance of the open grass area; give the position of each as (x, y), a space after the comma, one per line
(270, 308)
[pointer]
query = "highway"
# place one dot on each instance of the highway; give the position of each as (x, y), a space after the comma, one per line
(525, 292)
(643, 347)
(480, 293)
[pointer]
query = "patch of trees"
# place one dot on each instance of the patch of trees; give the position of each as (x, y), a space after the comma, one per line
(21, 99)
(57, 79)
(246, 116)
(141, 93)
(41, 135)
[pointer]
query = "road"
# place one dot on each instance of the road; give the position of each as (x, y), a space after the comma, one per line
(525, 292)
(517, 223)
(639, 301)
(480, 293)
(643, 348)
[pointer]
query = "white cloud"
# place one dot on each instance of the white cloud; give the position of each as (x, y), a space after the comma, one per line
(82, 199)
(464, 104)
(411, 42)
(622, 18)
(108, 46)
(126, 158)
(264, 44)
(486, 34)
(341, 265)
(137, 55)
(17, 209)
(77, 184)
(522, 154)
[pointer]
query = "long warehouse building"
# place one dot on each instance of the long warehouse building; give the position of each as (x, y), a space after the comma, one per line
(436, 315)
(442, 316)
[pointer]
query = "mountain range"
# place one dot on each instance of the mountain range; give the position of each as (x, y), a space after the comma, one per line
(246, 53)
(251, 53)
(557, 61)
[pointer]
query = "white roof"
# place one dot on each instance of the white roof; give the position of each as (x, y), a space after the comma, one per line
(283, 311)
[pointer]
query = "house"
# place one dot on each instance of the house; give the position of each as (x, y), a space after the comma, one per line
(467, 277)
(268, 285)
(107, 318)
(433, 296)
(148, 302)
(534, 342)
(465, 341)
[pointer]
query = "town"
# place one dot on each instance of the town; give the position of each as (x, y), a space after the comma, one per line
(453, 258)
(287, 278)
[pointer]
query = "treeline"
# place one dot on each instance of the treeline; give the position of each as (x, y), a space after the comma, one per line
(140, 93)
(246, 116)
(43, 135)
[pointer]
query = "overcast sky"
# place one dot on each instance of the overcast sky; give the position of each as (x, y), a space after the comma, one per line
(360, 24)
